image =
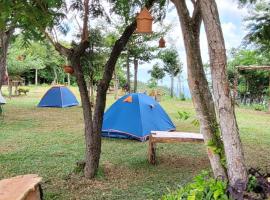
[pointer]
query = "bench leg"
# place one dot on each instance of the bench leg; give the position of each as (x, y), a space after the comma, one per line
(152, 152)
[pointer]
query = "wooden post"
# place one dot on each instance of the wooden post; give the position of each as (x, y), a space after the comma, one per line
(151, 151)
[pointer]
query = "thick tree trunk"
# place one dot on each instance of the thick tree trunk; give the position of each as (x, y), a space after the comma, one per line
(135, 74)
(218, 62)
(128, 73)
(36, 77)
(172, 85)
(92, 141)
(4, 44)
(201, 95)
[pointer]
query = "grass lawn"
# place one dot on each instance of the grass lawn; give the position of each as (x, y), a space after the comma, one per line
(49, 141)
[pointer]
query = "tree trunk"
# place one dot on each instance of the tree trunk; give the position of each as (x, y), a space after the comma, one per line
(218, 62)
(55, 80)
(128, 73)
(172, 85)
(92, 142)
(135, 74)
(68, 79)
(115, 86)
(201, 95)
(4, 44)
(36, 77)
(179, 85)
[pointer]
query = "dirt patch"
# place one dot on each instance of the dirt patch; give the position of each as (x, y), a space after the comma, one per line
(185, 162)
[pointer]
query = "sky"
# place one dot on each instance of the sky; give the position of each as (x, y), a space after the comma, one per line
(231, 17)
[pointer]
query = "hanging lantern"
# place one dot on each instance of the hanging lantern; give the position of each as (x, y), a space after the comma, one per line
(144, 22)
(162, 43)
(68, 69)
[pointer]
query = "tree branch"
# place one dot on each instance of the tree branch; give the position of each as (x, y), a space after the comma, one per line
(85, 21)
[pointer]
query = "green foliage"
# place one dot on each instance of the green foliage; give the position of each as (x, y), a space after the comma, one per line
(127, 9)
(36, 55)
(252, 82)
(152, 83)
(183, 115)
(203, 187)
(24, 90)
(156, 72)
(252, 183)
(171, 62)
(31, 17)
(259, 24)
(195, 122)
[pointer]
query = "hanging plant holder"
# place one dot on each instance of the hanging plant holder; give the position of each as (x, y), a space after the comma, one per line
(144, 22)
(68, 69)
(162, 43)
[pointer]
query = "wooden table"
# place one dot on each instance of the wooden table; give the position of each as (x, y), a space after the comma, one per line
(25, 187)
(169, 137)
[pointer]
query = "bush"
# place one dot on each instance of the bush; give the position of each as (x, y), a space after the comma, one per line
(203, 187)
(23, 90)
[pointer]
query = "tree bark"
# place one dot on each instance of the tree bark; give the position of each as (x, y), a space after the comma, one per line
(5, 37)
(128, 73)
(68, 79)
(135, 74)
(36, 77)
(115, 86)
(201, 95)
(91, 140)
(172, 85)
(218, 62)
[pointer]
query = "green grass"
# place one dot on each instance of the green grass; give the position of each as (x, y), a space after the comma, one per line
(49, 141)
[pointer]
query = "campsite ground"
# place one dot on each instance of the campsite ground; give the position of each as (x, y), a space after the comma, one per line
(49, 141)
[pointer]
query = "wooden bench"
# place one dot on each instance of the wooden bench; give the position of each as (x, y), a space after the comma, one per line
(26, 187)
(169, 137)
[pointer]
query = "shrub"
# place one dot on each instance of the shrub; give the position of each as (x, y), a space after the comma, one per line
(23, 90)
(203, 187)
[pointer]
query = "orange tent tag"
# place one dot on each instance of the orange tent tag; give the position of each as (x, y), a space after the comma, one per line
(128, 99)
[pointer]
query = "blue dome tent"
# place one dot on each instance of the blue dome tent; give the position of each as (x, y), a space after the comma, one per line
(58, 96)
(134, 116)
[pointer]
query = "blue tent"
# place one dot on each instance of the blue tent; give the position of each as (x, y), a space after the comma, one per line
(58, 96)
(134, 116)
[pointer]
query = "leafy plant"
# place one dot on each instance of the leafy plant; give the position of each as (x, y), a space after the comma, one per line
(183, 115)
(202, 187)
(252, 183)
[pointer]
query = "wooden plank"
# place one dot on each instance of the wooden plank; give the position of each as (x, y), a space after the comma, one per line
(20, 188)
(253, 67)
(177, 135)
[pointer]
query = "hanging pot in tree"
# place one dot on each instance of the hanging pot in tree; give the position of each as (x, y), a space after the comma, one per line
(162, 43)
(68, 69)
(144, 22)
